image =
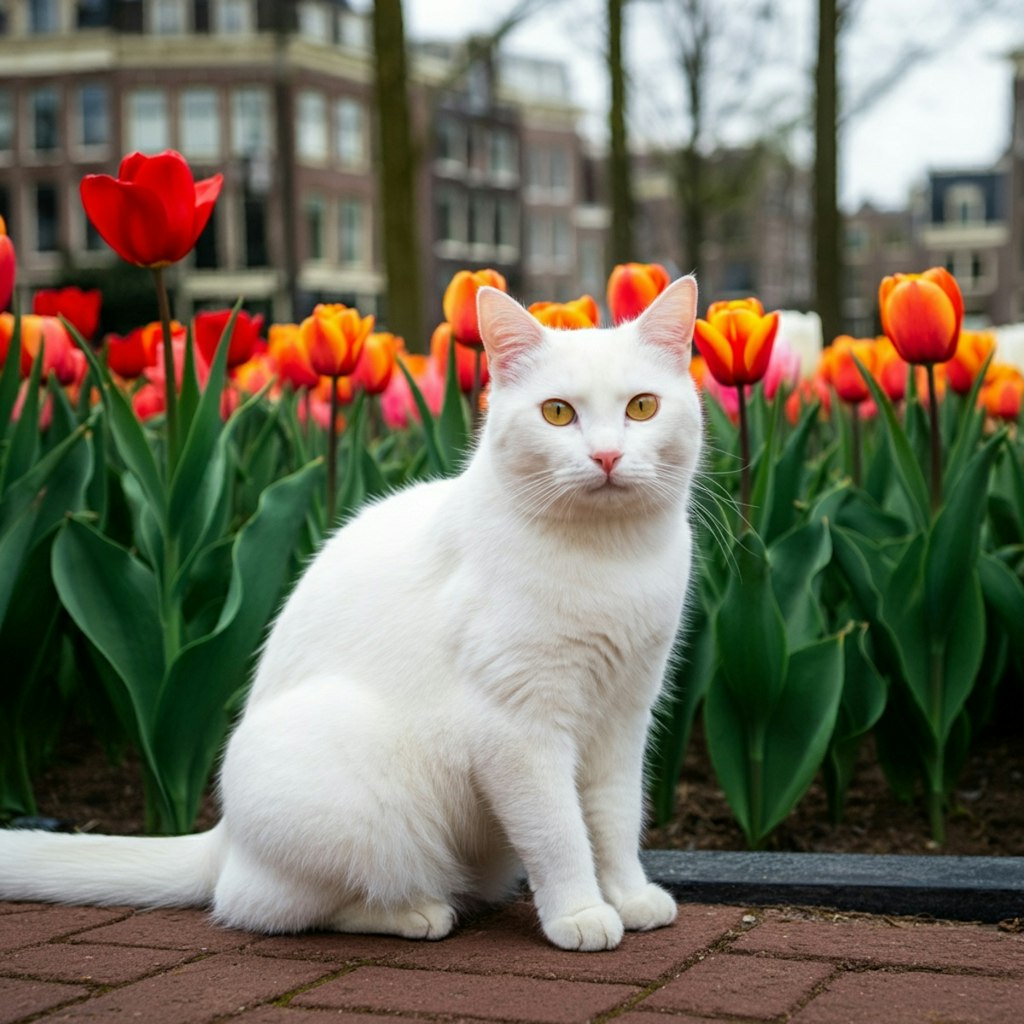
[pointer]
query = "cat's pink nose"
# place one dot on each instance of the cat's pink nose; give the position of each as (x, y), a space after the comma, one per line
(607, 460)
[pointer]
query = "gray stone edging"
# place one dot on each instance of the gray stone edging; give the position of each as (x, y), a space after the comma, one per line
(957, 888)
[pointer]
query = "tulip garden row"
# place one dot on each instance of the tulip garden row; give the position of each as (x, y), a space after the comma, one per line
(861, 531)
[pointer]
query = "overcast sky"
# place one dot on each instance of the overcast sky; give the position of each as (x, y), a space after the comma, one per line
(951, 109)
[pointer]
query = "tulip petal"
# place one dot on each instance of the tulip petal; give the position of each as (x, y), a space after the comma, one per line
(131, 220)
(922, 321)
(716, 350)
(168, 177)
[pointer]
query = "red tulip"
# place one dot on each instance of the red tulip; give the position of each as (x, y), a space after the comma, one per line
(130, 354)
(460, 302)
(80, 308)
(7, 266)
(61, 356)
(632, 287)
(208, 327)
(1003, 393)
(736, 340)
(922, 314)
(152, 213)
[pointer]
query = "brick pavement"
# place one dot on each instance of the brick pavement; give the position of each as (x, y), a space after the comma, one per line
(717, 963)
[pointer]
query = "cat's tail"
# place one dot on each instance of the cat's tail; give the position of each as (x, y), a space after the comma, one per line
(179, 871)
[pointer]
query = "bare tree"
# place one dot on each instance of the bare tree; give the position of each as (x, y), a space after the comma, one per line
(620, 249)
(396, 169)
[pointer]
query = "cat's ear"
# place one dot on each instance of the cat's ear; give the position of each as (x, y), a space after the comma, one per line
(668, 321)
(508, 331)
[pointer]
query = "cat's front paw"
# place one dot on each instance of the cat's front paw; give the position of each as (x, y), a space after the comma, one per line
(647, 908)
(594, 928)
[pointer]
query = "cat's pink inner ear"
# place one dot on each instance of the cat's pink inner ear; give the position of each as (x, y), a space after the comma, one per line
(668, 321)
(509, 333)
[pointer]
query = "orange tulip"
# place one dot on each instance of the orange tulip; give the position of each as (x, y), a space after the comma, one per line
(289, 356)
(808, 391)
(465, 358)
(972, 349)
(840, 370)
(922, 314)
(736, 341)
(891, 370)
(374, 370)
(61, 357)
(632, 287)
(7, 266)
(334, 337)
(581, 312)
(460, 302)
(1003, 392)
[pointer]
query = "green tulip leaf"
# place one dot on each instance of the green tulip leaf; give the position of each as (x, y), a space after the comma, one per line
(797, 560)
(454, 433)
(190, 720)
(435, 457)
(114, 600)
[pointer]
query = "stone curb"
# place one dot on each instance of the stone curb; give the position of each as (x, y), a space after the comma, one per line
(958, 888)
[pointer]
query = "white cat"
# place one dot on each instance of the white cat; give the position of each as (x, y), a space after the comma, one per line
(461, 684)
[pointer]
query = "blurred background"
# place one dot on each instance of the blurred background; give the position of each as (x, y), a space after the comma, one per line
(797, 149)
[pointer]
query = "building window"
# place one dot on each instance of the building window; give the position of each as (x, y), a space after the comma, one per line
(507, 224)
(504, 155)
(548, 172)
(350, 132)
(43, 16)
(965, 204)
(93, 241)
(315, 228)
(452, 142)
(167, 17)
(450, 214)
(311, 137)
(250, 121)
(550, 242)
(199, 123)
(47, 220)
(481, 220)
(352, 232)
(93, 115)
(315, 21)
(44, 118)
(353, 30)
(6, 121)
(254, 213)
(206, 245)
(148, 129)
(233, 17)
(93, 13)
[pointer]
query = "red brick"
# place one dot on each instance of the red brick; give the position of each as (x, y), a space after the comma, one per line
(169, 929)
(511, 942)
(916, 998)
(911, 944)
(392, 989)
(332, 947)
(79, 961)
(50, 922)
(225, 983)
(283, 1015)
(745, 986)
(20, 998)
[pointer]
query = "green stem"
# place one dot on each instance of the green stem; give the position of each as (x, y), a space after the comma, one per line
(855, 419)
(756, 756)
(332, 454)
(744, 452)
(936, 440)
(170, 381)
(936, 794)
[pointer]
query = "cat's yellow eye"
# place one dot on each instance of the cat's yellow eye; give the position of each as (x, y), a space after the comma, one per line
(557, 412)
(642, 407)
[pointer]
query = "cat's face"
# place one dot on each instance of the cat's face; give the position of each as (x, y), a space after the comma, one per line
(593, 423)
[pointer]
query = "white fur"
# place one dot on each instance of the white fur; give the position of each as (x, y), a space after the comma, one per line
(461, 684)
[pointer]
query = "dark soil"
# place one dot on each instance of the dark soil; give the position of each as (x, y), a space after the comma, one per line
(85, 790)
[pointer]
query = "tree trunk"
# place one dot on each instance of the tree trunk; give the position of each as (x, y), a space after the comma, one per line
(827, 223)
(621, 241)
(396, 176)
